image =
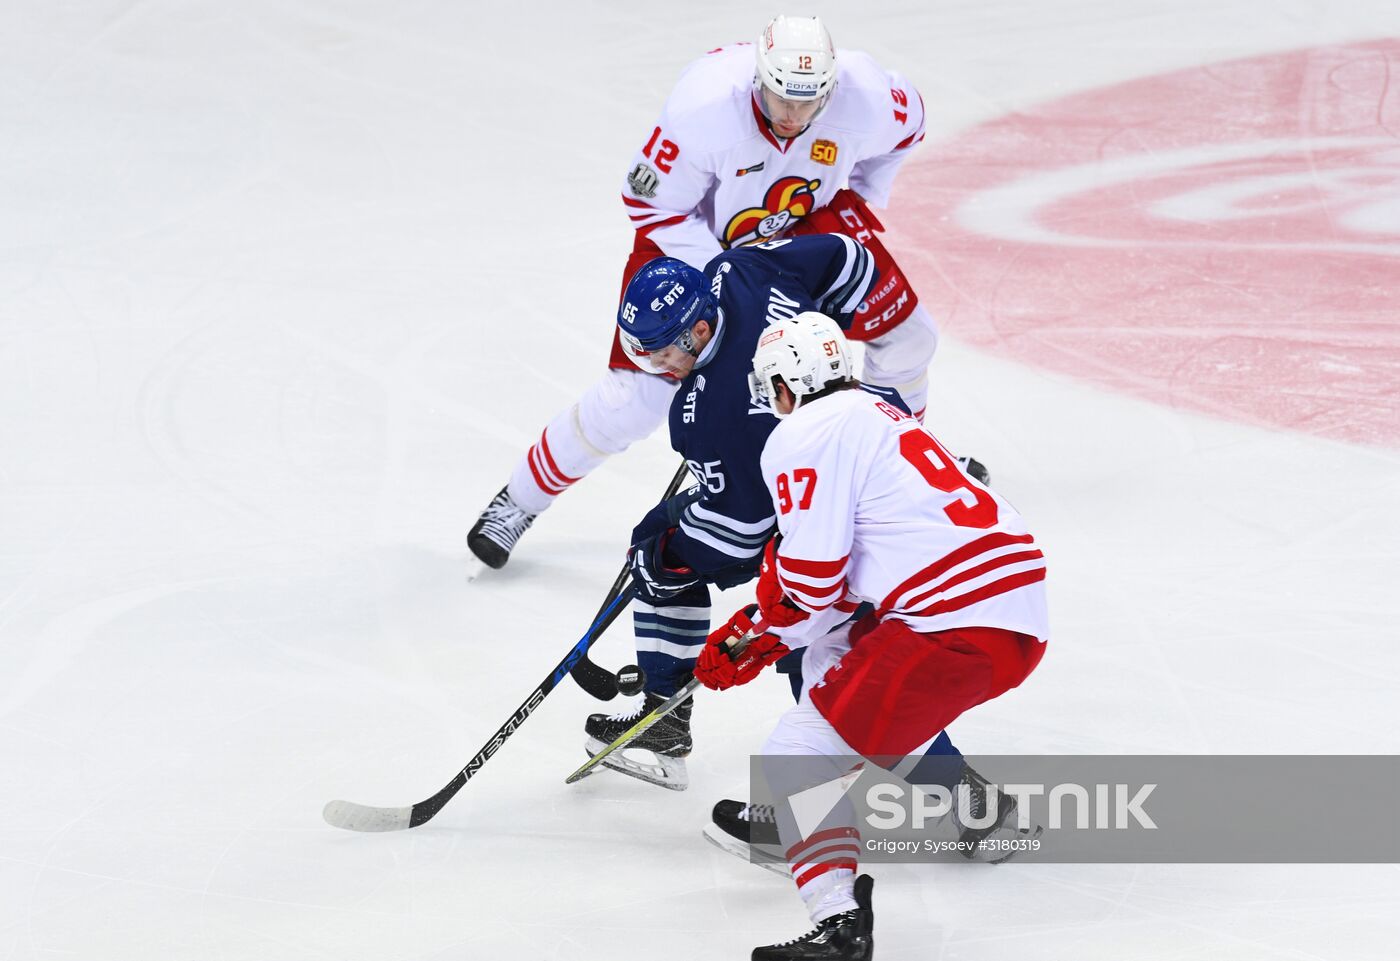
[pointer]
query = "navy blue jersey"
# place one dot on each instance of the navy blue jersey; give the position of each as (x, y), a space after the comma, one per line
(714, 423)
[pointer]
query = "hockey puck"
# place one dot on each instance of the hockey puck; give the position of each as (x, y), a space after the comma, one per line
(630, 680)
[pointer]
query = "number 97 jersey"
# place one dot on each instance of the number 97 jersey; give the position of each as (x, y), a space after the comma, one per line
(873, 508)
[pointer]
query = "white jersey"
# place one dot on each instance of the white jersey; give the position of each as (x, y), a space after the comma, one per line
(712, 175)
(872, 508)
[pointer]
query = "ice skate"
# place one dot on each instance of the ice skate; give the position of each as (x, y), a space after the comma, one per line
(497, 530)
(842, 937)
(981, 844)
(668, 741)
(748, 831)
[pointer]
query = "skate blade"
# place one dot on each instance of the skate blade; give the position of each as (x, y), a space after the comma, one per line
(475, 567)
(667, 772)
(745, 852)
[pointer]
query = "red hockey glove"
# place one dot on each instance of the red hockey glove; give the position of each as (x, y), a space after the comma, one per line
(719, 669)
(778, 609)
(894, 300)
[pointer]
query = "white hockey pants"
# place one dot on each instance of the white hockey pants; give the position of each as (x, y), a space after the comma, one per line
(622, 407)
(900, 359)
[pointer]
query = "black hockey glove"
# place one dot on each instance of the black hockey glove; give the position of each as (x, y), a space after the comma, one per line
(665, 514)
(656, 578)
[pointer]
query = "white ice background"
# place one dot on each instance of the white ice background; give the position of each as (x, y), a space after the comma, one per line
(284, 290)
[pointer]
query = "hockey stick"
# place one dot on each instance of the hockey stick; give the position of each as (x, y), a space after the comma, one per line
(365, 817)
(599, 681)
(736, 647)
(636, 730)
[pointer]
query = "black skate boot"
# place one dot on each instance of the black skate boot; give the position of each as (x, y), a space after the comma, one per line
(497, 529)
(976, 470)
(748, 831)
(841, 937)
(667, 739)
(1000, 840)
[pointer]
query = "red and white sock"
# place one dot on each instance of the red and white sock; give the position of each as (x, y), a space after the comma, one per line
(824, 868)
(622, 407)
(553, 464)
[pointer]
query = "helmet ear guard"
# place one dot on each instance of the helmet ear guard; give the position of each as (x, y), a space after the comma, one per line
(806, 354)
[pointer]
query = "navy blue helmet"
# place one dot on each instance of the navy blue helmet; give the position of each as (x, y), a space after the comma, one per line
(663, 302)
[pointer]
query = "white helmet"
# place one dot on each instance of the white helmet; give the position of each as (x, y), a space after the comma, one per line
(807, 353)
(796, 61)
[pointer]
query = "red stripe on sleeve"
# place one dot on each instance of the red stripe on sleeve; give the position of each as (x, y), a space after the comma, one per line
(917, 135)
(909, 141)
(644, 231)
(820, 569)
(822, 596)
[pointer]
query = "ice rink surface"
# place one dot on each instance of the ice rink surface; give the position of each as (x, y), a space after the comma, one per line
(285, 288)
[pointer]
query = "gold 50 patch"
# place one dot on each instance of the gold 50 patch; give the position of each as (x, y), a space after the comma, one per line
(824, 152)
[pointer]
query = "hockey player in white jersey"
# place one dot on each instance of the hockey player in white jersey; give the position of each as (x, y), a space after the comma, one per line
(781, 137)
(871, 508)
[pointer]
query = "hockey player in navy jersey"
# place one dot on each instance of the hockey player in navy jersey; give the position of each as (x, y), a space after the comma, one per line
(782, 137)
(703, 327)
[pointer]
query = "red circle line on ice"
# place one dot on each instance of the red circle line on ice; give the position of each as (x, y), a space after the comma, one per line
(1224, 239)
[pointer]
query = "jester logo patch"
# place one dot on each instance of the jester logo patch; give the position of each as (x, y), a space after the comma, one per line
(787, 201)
